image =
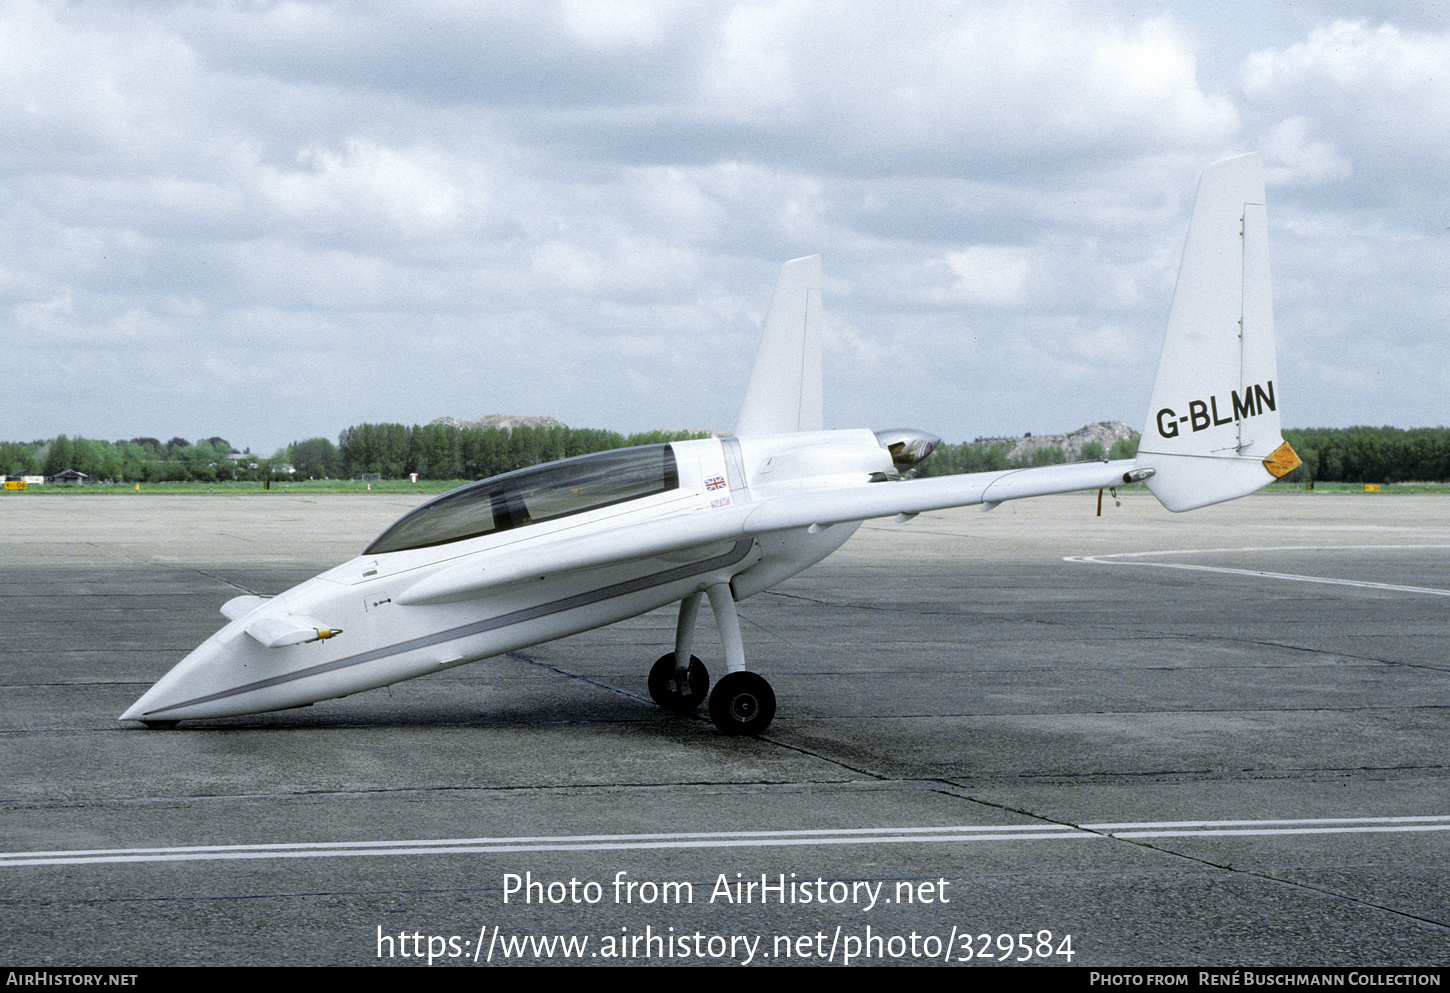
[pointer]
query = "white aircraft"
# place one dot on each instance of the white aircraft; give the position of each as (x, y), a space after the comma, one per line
(557, 549)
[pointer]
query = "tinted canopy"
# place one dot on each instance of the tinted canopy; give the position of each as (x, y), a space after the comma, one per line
(527, 496)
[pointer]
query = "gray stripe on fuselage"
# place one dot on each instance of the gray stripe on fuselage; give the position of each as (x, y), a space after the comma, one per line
(737, 552)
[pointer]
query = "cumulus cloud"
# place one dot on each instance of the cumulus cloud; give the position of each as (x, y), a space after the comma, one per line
(1372, 90)
(1354, 120)
(510, 201)
(407, 192)
(1292, 157)
(994, 275)
(953, 86)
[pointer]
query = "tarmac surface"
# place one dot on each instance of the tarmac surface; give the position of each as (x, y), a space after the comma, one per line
(1228, 751)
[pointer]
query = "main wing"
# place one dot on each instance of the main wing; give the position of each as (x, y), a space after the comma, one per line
(700, 530)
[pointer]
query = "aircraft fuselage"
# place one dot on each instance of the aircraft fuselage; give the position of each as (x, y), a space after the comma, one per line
(406, 613)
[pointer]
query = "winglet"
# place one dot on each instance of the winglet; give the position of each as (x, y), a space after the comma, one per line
(1214, 417)
(240, 606)
(785, 385)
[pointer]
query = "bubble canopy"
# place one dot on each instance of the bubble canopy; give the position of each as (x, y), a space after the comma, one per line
(528, 496)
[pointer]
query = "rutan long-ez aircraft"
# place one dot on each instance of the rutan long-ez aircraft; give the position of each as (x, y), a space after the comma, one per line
(541, 553)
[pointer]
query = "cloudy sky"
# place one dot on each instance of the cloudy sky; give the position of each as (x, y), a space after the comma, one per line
(271, 220)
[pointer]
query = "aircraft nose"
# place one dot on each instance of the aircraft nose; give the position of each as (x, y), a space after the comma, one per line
(198, 683)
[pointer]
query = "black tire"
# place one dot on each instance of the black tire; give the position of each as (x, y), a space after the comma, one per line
(670, 692)
(742, 704)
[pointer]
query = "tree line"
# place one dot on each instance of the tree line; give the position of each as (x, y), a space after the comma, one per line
(1331, 455)
(442, 451)
(433, 451)
(971, 456)
(1371, 455)
(139, 460)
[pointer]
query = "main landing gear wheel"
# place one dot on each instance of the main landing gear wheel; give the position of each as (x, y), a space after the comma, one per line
(671, 692)
(743, 703)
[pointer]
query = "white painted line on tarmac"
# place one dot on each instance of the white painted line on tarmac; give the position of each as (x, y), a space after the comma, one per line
(1119, 557)
(734, 839)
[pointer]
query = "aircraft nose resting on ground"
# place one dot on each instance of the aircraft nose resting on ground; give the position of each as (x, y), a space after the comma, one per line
(553, 550)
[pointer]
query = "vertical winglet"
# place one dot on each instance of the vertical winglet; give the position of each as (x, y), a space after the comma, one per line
(1214, 417)
(785, 385)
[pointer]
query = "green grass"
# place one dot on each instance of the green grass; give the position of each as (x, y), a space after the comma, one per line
(1384, 488)
(315, 486)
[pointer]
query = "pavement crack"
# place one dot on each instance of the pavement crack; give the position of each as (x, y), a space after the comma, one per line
(839, 763)
(1272, 878)
(228, 582)
(518, 657)
(1198, 860)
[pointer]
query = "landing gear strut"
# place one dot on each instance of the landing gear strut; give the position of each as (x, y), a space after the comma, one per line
(743, 702)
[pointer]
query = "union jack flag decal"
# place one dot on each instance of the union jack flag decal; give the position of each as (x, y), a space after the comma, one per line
(715, 483)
